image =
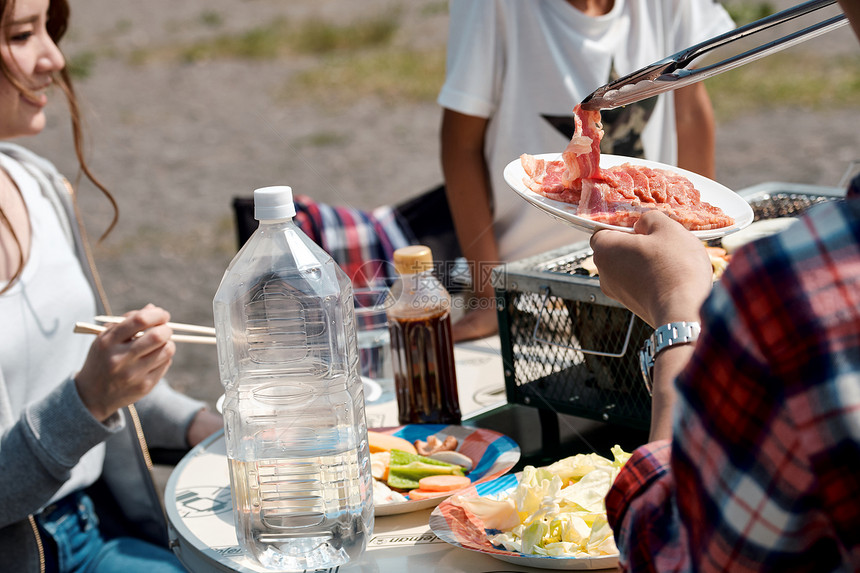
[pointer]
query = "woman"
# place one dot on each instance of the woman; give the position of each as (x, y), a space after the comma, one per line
(69, 431)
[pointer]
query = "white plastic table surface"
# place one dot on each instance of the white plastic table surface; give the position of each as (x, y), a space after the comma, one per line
(202, 533)
(200, 515)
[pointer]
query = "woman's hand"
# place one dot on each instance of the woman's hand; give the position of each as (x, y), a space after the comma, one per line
(661, 271)
(126, 361)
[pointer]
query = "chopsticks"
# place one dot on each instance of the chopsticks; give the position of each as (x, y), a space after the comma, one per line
(208, 331)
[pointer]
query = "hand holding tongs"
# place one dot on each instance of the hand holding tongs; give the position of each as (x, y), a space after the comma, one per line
(671, 73)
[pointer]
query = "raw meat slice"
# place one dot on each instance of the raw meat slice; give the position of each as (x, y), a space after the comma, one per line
(615, 200)
(546, 178)
(582, 155)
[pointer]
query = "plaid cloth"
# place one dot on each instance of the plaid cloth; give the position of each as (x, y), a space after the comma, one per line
(361, 242)
(761, 472)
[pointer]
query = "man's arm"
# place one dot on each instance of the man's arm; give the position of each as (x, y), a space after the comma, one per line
(467, 185)
(662, 273)
(696, 129)
(667, 365)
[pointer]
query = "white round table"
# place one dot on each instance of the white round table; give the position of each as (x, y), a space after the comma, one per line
(202, 534)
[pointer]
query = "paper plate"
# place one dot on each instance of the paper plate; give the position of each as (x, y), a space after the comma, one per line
(494, 455)
(452, 524)
(712, 192)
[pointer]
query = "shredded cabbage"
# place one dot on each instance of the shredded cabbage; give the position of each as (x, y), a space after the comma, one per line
(557, 510)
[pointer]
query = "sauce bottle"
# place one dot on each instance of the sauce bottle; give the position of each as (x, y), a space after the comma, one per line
(422, 348)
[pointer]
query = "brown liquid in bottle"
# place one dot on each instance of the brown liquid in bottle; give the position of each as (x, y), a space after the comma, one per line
(423, 363)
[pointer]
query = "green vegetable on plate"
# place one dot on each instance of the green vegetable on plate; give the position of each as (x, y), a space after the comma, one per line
(406, 469)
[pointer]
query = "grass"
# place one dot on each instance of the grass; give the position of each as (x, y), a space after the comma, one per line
(746, 12)
(435, 8)
(391, 75)
(787, 80)
(361, 60)
(211, 19)
(315, 37)
(321, 139)
(266, 42)
(318, 37)
(81, 65)
(358, 59)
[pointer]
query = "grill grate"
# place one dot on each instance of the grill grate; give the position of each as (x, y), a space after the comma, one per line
(772, 206)
(571, 349)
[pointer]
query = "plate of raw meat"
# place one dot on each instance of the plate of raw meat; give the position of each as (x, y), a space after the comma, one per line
(621, 210)
(593, 191)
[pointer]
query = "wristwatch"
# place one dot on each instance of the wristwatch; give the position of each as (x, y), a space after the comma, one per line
(665, 336)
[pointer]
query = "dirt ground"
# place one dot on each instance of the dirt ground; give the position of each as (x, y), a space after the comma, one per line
(177, 141)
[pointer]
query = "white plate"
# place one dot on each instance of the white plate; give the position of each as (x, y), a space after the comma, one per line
(494, 454)
(712, 192)
(467, 532)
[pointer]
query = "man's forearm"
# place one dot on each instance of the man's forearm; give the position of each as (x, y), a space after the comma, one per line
(696, 130)
(667, 365)
(467, 185)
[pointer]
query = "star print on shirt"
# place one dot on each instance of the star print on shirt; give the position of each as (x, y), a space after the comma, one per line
(622, 127)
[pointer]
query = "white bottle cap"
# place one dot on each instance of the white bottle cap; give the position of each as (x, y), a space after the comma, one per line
(274, 203)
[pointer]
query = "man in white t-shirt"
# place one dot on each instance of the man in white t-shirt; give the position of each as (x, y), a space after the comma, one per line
(515, 70)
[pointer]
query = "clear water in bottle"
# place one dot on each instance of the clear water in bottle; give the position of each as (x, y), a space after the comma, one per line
(294, 407)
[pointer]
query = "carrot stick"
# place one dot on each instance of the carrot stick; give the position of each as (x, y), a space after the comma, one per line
(443, 483)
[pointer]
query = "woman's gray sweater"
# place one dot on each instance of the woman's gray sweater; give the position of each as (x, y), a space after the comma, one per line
(41, 444)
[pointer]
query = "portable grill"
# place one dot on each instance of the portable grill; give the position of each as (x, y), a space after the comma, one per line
(570, 349)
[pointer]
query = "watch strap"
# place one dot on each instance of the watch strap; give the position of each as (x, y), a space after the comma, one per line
(671, 334)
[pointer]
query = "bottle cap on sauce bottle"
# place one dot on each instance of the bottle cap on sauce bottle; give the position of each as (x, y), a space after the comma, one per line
(413, 259)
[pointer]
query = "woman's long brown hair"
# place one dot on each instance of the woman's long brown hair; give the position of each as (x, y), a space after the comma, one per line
(57, 24)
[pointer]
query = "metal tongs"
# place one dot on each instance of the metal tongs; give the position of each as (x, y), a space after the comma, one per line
(671, 73)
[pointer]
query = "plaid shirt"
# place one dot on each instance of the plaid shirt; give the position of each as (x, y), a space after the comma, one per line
(361, 242)
(761, 474)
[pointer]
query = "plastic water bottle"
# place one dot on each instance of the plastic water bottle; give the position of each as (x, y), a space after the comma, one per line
(294, 417)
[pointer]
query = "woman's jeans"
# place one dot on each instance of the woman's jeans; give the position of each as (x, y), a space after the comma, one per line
(79, 547)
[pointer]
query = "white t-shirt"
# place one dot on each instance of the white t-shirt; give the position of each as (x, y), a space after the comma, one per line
(38, 347)
(525, 64)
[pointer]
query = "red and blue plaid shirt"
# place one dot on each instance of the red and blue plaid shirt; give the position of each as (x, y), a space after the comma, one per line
(761, 473)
